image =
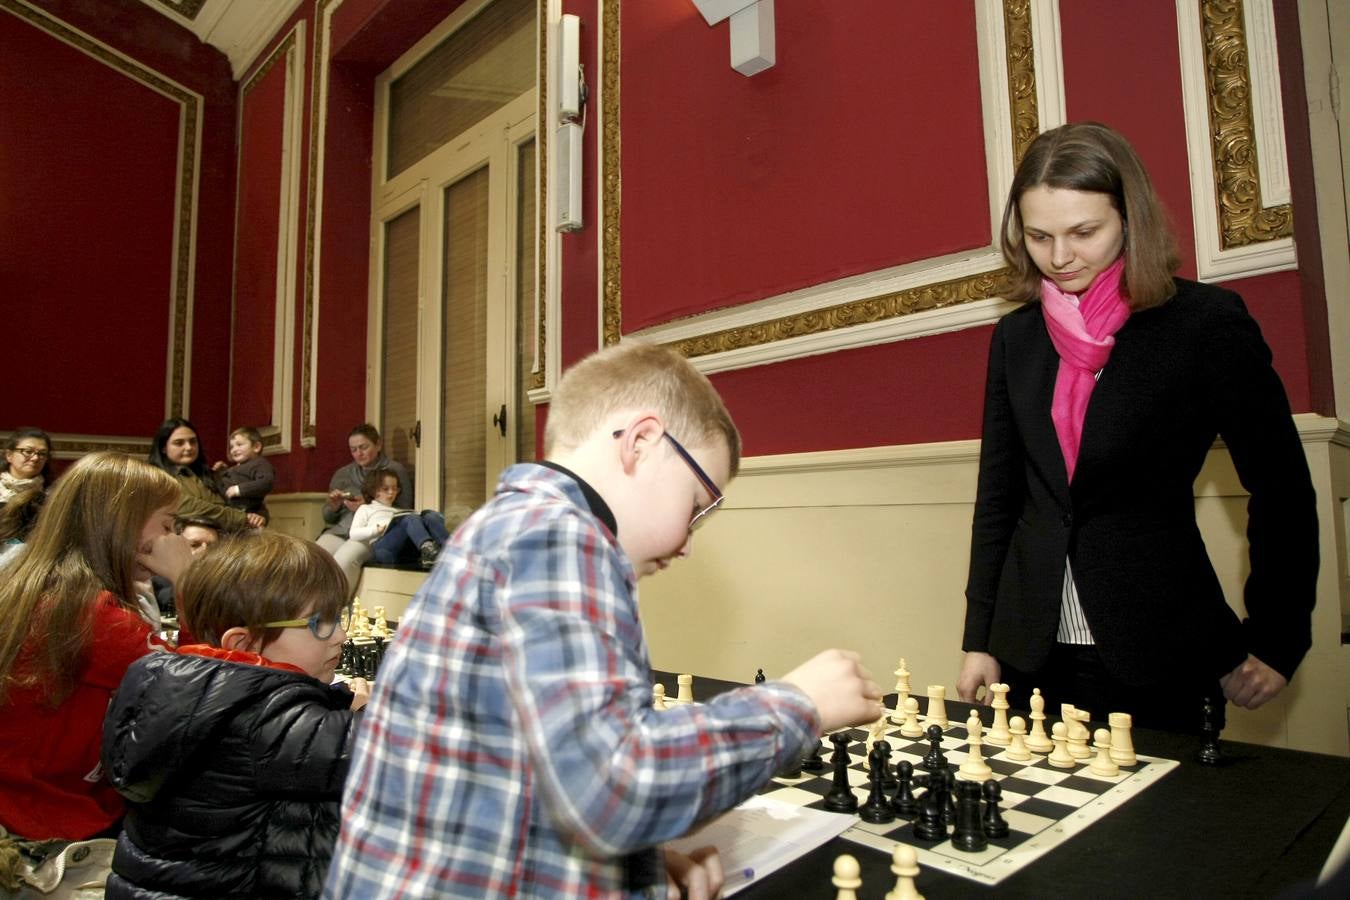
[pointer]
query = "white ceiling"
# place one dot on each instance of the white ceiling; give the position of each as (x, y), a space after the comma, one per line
(240, 29)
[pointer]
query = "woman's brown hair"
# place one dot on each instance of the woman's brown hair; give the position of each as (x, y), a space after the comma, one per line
(85, 542)
(1089, 156)
(255, 578)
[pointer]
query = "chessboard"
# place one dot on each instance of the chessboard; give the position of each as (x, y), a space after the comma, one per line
(1043, 805)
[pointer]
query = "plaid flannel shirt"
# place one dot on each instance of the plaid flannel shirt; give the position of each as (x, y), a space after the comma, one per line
(510, 748)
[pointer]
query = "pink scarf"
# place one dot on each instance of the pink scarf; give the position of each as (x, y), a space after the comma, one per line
(1083, 338)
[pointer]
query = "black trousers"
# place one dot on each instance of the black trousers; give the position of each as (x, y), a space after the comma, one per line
(1074, 674)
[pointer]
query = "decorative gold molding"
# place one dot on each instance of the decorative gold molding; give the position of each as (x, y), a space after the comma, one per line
(845, 315)
(1021, 75)
(317, 75)
(181, 291)
(1237, 184)
(539, 376)
(188, 9)
(981, 286)
(278, 53)
(612, 301)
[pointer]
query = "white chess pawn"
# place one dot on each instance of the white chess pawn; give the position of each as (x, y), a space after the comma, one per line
(1017, 745)
(1103, 765)
(1038, 741)
(381, 627)
(912, 727)
(937, 707)
(846, 877)
(975, 768)
(659, 697)
(1122, 747)
(1059, 757)
(686, 690)
(905, 865)
(998, 732)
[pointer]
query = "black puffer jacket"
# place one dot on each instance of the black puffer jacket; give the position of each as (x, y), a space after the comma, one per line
(233, 770)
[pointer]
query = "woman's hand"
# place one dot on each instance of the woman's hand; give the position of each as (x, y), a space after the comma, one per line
(1252, 683)
(335, 499)
(168, 556)
(353, 504)
(697, 876)
(978, 670)
(255, 520)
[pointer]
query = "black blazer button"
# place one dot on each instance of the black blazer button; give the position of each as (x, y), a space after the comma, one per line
(1067, 520)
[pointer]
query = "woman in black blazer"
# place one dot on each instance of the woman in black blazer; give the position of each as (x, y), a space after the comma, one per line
(1088, 575)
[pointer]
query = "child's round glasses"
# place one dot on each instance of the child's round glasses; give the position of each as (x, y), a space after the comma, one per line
(320, 627)
(701, 515)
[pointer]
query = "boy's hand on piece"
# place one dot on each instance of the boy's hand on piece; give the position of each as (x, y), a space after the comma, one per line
(842, 690)
(977, 670)
(697, 876)
(218, 465)
(169, 555)
(360, 689)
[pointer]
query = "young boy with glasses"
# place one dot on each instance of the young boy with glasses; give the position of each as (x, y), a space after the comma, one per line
(511, 748)
(232, 753)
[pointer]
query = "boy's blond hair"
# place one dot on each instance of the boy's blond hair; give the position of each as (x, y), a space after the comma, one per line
(638, 375)
(255, 578)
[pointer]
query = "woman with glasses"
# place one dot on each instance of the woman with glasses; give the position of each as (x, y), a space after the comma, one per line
(232, 753)
(177, 450)
(27, 463)
(70, 630)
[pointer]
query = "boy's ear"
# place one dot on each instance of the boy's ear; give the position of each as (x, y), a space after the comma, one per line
(237, 638)
(640, 435)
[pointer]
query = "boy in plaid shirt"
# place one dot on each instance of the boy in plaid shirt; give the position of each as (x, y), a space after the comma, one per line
(510, 748)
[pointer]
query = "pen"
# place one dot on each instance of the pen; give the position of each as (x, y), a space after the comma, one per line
(737, 876)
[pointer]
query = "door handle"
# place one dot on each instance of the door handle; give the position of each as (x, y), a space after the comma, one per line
(500, 420)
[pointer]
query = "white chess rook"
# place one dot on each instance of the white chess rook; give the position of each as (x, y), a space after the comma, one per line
(1122, 746)
(686, 691)
(937, 707)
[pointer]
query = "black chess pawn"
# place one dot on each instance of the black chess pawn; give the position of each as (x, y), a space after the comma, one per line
(813, 762)
(792, 769)
(930, 826)
(935, 760)
(759, 676)
(1210, 725)
(969, 835)
(841, 798)
(904, 802)
(995, 826)
(877, 809)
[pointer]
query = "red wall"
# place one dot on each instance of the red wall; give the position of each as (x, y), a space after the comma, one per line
(861, 149)
(88, 174)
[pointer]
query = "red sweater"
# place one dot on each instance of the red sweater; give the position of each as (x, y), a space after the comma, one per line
(51, 783)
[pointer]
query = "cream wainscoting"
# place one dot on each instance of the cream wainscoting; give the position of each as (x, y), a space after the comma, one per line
(868, 549)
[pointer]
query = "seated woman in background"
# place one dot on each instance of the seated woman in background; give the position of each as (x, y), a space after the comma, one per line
(17, 518)
(396, 535)
(345, 498)
(177, 451)
(70, 630)
(27, 462)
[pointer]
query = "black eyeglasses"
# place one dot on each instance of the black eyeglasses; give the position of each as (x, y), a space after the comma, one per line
(32, 452)
(709, 485)
(320, 627)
